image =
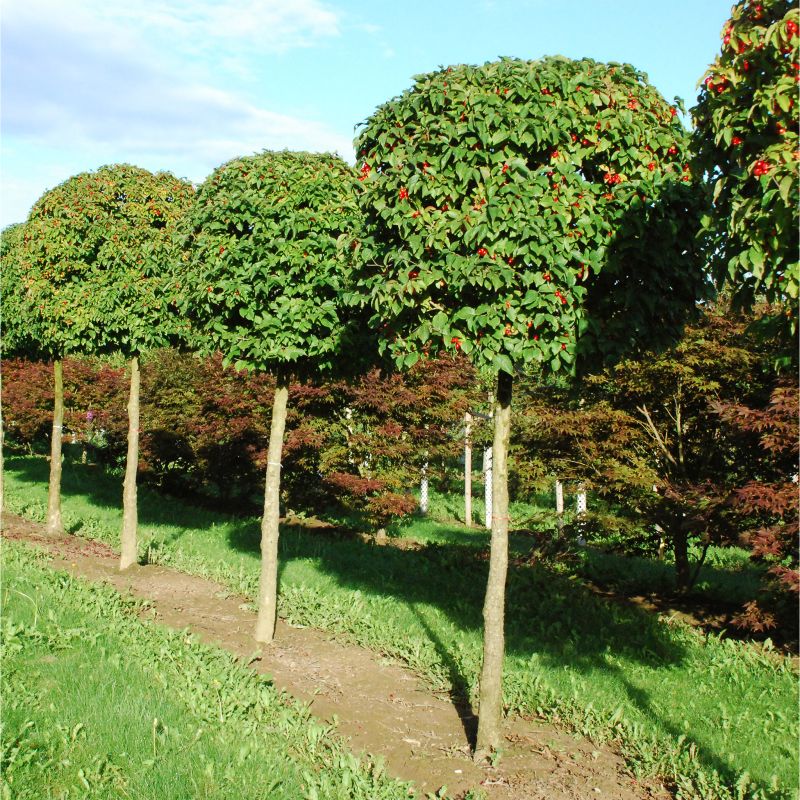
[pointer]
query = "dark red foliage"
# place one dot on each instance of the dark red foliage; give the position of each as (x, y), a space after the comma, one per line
(205, 428)
(27, 401)
(770, 500)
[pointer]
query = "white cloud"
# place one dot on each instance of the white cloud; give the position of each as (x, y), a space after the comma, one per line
(117, 81)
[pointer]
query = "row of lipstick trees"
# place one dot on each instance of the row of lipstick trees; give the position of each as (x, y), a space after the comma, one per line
(532, 216)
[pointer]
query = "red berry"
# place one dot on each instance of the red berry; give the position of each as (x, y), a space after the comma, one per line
(403, 193)
(736, 141)
(482, 251)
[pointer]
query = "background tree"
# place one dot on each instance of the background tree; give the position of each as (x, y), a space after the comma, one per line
(263, 280)
(745, 144)
(96, 251)
(14, 331)
(495, 197)
(645, 436)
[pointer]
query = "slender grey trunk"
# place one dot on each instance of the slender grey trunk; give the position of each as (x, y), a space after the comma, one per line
(488, 482)
(130, 513)
(491, 687)
(468, 469)
(268, 582)
(55, 525)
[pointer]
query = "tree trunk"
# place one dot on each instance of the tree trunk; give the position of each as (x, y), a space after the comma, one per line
(130, 515)
(268, 583)
(488, 480)
(491, 687)
(55, 525)
(468, 469)
(681, 544)
(423, 490)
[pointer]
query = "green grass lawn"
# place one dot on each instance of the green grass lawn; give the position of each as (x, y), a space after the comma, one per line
(97, 703)
(716, 717)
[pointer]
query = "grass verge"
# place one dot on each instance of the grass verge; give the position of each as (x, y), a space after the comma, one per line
(714, 717)
(98, 703)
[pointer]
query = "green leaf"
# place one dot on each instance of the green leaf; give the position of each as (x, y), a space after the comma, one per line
(502, 363)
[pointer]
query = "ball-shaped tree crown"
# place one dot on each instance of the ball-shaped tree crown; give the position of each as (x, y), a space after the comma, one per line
(495, 195)
(14, 326)
(263, 268)
(746, 145)
(95, 256)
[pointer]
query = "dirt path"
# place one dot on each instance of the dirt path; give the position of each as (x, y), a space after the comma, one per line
(380, 707)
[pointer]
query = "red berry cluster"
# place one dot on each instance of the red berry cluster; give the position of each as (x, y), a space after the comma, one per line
(718, 87)
(612, 178)
(761, 168)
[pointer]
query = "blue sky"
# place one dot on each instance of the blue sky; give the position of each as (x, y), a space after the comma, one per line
(185, 85)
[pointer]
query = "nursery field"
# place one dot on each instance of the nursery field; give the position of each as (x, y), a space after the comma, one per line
(710, 716)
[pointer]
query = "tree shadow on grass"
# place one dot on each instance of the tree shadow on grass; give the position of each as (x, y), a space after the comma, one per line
(103, 492)
(459, 686)
(562, 623)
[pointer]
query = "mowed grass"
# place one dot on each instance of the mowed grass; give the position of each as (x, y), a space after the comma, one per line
(98, 703)
(715, 717)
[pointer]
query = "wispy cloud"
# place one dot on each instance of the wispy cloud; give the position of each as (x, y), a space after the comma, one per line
(152, 81)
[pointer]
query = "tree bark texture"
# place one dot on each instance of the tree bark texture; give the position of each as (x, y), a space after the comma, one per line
(55, 525)
(468, 469)
(130, 514)
(488, 487)
(491, 688)
(268, 582)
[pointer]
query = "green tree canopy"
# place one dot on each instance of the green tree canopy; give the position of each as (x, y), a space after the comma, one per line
(14, 327)
(746, 145)
(263, 270)
(496, 195)
(95, 261)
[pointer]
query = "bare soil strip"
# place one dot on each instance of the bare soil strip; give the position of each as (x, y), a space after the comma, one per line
(378, 706)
